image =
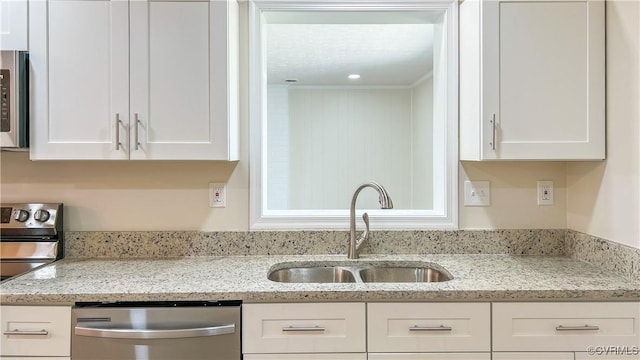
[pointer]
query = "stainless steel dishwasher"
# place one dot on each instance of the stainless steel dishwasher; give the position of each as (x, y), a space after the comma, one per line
(189, 330)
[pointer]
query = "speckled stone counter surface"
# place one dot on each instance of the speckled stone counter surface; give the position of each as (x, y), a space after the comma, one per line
(482, 277)
(145, 244)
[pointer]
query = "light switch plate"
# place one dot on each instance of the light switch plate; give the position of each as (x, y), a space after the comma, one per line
(477, 193)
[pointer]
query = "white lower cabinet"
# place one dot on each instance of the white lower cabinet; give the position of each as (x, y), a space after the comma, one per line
(428, 327)
(35, 331)
(570, 330)
(389, 331)
(356, 356)
(34, 358)
(628, 354)
(429, 356)
(442, 331)
(532, 356)
(335, 330)
(613, 354)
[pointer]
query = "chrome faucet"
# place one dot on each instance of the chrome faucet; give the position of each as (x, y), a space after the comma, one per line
(385, 203)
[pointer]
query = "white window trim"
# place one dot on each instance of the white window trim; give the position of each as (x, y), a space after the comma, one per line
(444, 219)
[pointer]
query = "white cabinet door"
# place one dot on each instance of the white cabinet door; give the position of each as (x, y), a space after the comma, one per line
(343, 356)
(303, 328)
(13, 25)
(178, 103)
(532, 80)
(429, 356)
(610, 353)
(79, 51)
(532, 356)
(428, 327)
(35, 331)
(180, 93)
(565, 326)
(34, 358)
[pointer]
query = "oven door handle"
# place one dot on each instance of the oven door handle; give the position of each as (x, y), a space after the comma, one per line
(155, 334)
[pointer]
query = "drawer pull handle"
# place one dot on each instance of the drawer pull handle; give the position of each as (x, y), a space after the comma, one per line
(118, 123)
(578, 328)
(136, 120)
(303, 328)
(42, 332)
(430, 328)
(493, 132)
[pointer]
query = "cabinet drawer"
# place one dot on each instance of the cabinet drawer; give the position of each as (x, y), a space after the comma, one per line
(430, 356)
(564, 326)
(324, 356)
(623, 354)
(303, 328)
(423, 327)
(35, 358)
(46, 329)
(532, 356)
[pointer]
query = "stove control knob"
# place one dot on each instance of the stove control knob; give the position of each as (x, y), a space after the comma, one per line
(41, 215)
(20, 215)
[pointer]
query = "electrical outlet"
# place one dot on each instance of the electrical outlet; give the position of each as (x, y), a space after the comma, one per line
(545, 192)
(477, 193)
(217, 195)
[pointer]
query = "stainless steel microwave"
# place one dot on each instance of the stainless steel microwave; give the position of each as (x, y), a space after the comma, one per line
(14, 99)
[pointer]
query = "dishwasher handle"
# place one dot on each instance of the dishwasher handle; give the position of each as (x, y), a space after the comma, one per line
(152, 334)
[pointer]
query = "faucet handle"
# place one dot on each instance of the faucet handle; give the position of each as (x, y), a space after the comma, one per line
(365, 233)
(365, 218)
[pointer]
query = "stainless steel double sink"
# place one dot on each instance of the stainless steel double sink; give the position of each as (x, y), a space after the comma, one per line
(380, 272)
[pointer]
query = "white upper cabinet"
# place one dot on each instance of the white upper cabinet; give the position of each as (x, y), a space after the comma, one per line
(13, 24)
(79, 79)
(532, 80)
(134, 80)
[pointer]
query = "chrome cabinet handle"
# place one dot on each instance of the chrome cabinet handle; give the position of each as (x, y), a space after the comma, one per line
(118, 123)
(155, 334)
(431, 328)
(42, 332)
(578, 328)
(493, 132)
(136, 121)
(303, 328)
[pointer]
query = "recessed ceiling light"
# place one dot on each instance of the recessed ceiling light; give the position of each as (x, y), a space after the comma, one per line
(354, 76)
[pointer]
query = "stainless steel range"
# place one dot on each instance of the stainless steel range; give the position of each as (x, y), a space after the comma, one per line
(31, 235)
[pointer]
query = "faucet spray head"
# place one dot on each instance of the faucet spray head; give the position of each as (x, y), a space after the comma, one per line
(385, 202)
(383, 196)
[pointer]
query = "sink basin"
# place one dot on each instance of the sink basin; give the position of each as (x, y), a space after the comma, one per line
(353, 272)
(320, 274)
(402, 274)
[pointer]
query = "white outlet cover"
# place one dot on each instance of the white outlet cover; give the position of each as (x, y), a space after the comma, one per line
(545, 192)
(219, 199)
(477, 193)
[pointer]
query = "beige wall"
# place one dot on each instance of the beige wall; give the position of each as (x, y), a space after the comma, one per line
(514, 195)
(604, 197)
(128, 195)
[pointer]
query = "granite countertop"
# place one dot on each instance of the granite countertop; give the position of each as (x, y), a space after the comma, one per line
(476, 278)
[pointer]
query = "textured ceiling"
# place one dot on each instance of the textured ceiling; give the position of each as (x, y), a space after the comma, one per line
(324, 54)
